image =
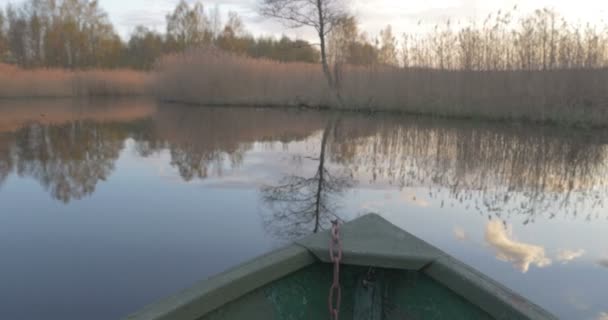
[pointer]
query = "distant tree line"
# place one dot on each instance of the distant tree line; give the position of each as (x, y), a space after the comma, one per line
(68, 34)
(77, 34)
(348, 45)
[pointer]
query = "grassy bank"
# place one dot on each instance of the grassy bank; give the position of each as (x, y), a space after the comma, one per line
(570, 96)
(57, 83)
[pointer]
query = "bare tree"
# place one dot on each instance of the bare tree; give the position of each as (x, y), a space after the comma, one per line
(388, 47)
(188, 26)
(302, 205)
(322, 15)
(215, 21)
(3, 44)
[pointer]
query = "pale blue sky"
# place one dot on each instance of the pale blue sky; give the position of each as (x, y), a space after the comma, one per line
(373, 14)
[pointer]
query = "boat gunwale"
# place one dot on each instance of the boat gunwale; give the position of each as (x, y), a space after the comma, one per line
(214, 292)
(477, 288)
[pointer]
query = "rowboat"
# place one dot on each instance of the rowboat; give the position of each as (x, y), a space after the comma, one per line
(383, 273)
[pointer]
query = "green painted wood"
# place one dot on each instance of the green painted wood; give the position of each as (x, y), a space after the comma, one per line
(215, 292)
(368, 241)
(303, 295)
(414, 295)
(254, 305)
(369, 290)
(372, 241)
(490, 295)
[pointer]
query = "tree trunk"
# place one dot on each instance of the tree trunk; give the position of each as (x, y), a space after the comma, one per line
(321, 173)
(321, 30)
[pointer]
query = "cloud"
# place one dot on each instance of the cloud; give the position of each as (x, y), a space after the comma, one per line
(565, 255)
(373, 206)
(577, 300)
(520, 254)
(411, 198)
(148, 18)
(603, 263)
(460, 233)
(602, 316)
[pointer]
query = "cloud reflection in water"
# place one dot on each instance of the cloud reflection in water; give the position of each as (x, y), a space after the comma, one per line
(520, 254)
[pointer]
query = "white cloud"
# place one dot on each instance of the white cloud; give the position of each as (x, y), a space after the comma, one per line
(460, 233)
(411, 198)
(577, 300)
(373, 206)
(602, 316)
(520, 254)
(565, 255)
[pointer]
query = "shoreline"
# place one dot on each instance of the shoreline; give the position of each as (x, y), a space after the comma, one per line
(388, 111)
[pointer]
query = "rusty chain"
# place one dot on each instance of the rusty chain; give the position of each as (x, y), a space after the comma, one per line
(335, 254)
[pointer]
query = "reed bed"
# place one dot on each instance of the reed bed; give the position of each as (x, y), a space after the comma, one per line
(509, 40)
(213, 77)
(56, 83)
(208, 76)
(518, 66)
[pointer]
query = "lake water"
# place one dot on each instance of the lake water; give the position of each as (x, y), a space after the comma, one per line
(108, 205)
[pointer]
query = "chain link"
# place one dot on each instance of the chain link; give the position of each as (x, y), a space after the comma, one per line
(335, 253)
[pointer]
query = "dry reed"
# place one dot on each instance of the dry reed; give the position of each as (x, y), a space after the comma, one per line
(507, 40)
(207, 76)
(213, 77)
(57, 83)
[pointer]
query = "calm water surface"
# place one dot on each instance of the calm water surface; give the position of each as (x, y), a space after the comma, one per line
(106, 206)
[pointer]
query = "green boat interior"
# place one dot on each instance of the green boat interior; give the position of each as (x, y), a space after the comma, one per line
(367, 293)
(384, 273)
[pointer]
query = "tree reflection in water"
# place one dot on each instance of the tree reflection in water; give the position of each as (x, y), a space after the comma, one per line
(303, 205)
(499, 170)
(207, 141)
(6, 158)
(68, 146)
(68, 160)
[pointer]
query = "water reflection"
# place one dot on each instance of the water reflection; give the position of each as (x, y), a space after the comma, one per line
(304, 205)
(402, 167)
(70, 146)
(68, 149)
(501, 170)
(68, 160)
(520, 254)
(6, 159)
(566, 256)
(497, 170)
(460, 234)
(208, 141)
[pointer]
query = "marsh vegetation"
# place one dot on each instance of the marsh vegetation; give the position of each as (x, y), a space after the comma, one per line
(60, 83)
(537, 67)
(514, 65)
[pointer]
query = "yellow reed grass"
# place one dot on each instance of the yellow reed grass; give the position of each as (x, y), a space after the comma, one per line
(209, 76)
(56, 83)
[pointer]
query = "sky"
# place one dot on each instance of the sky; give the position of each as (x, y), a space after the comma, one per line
(373, 15)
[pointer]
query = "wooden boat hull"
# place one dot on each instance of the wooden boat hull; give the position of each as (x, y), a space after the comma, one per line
(387, 274)
(398, 295)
